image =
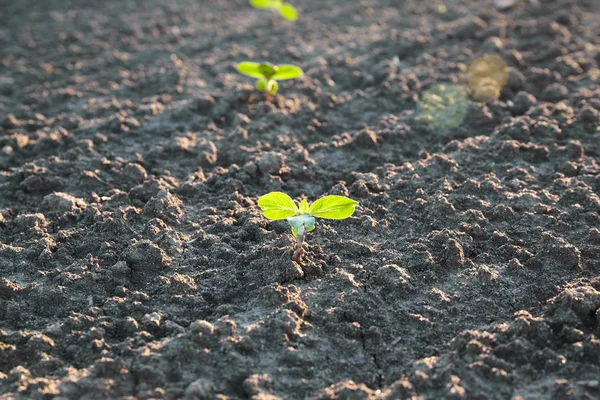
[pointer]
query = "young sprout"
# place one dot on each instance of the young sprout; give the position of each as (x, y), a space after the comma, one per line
(268, 75)
(277, 206)
(286, 10)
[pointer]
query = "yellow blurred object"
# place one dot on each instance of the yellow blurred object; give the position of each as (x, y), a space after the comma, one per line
(487, 90)
(442, 9)
(486, 77)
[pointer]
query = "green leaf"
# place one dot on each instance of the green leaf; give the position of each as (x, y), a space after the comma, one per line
(277, 205)
(266, 4)
(288, 12)
(250, 68)
(304, 207)
(267, 70)
(287, 72)
(333, 207)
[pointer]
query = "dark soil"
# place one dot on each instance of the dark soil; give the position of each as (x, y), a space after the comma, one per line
(134, 262)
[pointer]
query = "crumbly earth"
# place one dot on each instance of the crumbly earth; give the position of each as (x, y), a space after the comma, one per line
(134, 262)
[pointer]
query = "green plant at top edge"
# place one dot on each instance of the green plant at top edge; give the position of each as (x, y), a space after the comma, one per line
(286, 10)
(277, 206)
(268, 75)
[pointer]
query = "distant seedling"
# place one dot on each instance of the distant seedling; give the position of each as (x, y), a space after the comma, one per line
(277, 206)
(286, 10)
(268, 75)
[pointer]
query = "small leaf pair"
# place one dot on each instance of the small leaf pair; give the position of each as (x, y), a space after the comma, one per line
(277, 206)
(286, 10)
(268, 75)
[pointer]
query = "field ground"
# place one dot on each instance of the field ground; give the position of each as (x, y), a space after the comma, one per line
(134, 261)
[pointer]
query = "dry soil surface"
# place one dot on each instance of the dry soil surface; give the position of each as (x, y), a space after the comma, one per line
(134, 262)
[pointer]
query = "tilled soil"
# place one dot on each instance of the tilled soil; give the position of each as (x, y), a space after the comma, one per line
(134, 261)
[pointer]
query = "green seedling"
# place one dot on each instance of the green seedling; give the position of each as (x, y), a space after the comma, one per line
(277, 206)
(268, 75)
(286, 10)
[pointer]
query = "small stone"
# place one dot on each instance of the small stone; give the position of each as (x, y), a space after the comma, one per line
(515, 264)
(207, 153)
(563, 390)
(202, 327)
(9, 288)
(151, 322)
(588, 114)
(523, 102)
(292, 271)
(578, 307)
(120, 269)
(468, 27)
(182, 284)
(271, 163)
(546, 128)
(391, 277)
(256, 385)
(145, 255)
(566, 66)
(11, 122)
(134, 173)
(516, 80)
(517, 130)
(58, 203)
(560, 251)
(19, 140)
(204, 102)
(594, 235)
(165, 206)
(565, 17)
(493, 44)
(6, 86)
(25, 222)
(366, 138)
(129, 326)
(201, 389)
(454, 256)
(575, 149)
(555, 92)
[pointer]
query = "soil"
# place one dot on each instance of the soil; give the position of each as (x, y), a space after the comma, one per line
(135, 263)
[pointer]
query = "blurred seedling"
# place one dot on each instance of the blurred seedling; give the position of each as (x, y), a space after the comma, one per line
(278, 206)
(268, 75)
(286, 10)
